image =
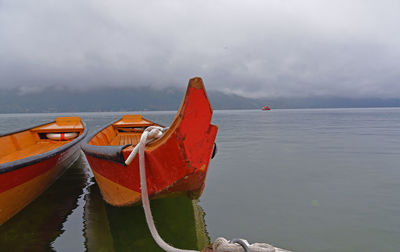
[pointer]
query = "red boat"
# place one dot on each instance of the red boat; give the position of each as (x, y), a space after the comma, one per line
(176, 163)
(266, 108)
(32, 159)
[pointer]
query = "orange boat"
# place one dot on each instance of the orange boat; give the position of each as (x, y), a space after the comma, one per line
(32, 159)
(176, 163)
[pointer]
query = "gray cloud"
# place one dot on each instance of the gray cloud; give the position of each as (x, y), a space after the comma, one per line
(252, 48)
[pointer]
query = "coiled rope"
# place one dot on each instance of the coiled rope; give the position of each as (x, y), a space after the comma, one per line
(221, 244)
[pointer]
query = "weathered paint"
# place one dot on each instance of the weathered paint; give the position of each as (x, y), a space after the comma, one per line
(176, 163)
(124, 194)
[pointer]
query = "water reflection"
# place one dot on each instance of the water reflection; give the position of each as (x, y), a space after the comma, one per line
(180, 221)
(38, 225)
(45, 223)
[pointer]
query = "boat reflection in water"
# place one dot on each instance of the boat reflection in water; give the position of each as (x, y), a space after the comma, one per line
(179, 220)
(38, 225)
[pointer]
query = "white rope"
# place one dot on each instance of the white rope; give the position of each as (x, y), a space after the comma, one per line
(149, 134)
(221, 244)
(153, 132)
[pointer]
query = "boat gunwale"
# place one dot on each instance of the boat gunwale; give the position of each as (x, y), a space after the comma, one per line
(103, 151)
(114, 152)
(107, 152)
(21, 163)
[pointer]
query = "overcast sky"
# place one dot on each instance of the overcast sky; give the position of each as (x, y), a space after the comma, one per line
(254, 48)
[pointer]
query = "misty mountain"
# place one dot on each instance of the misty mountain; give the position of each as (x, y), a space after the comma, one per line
(143, 98)
(110, 99)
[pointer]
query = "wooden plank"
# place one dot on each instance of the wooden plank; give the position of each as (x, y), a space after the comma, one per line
(133, 121)
(6, 146)
(35, 149)
(116, 140)
(62, 124)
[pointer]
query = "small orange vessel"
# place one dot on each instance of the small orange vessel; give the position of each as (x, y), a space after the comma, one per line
(176, 163)
(32, 159)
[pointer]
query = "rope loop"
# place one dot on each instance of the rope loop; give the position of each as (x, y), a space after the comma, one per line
(241, 243)
(150, 134)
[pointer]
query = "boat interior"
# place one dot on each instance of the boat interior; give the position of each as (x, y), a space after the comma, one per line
(39, 140)
(125, 131)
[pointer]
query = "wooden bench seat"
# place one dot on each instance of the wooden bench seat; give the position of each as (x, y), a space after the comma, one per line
(125, 138)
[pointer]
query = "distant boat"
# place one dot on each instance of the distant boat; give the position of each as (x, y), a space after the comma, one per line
(176, 163)
(264, 108)
(32, 159)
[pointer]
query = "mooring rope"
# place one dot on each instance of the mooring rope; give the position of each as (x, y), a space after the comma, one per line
(152, 132)
(221, 244)
(149, 134)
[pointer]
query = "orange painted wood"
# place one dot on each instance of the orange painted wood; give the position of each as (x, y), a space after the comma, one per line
(29, 163)
(6, 146)
(177, 163)
(124, 194)
(133, 121)
(62, 124)
(19, 187)
(126, 138)
(16, 198)
(28, 143)
(32, 150)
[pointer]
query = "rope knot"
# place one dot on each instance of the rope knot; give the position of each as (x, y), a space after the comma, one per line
(150, 134)
(241, 245)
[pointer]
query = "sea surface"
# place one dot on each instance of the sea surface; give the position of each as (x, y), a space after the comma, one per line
(311, 180)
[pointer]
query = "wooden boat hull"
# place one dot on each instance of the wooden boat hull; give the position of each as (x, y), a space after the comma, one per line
(23, 180)
(177, 163)
(38, 226)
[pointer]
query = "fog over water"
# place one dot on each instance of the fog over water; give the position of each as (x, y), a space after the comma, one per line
(254, 48)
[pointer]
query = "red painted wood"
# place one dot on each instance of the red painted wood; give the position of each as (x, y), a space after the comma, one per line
(180, 163)
(14, 178)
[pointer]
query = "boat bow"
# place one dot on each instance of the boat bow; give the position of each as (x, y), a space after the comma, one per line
(175, 163)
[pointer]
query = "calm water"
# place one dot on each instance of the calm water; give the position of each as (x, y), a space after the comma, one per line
(305, 180)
